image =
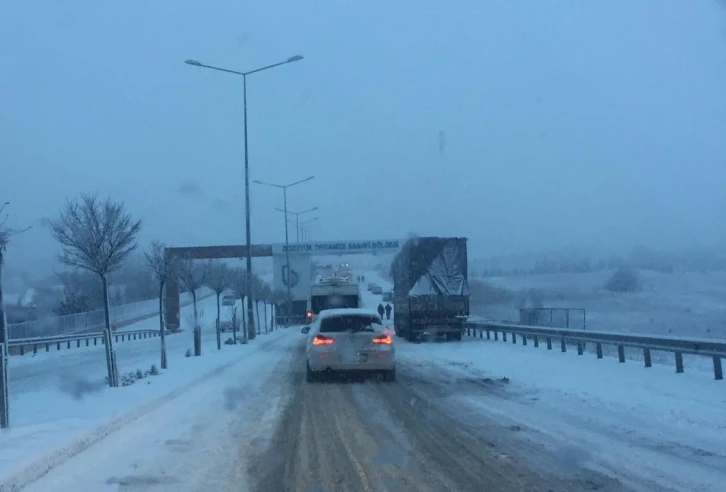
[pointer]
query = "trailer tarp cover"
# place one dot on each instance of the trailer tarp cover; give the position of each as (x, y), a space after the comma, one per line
(431, 266)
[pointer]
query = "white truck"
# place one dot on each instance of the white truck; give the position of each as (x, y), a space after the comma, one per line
(332, 293)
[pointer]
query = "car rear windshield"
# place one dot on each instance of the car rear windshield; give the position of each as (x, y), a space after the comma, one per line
(320, 303)
(349, 323)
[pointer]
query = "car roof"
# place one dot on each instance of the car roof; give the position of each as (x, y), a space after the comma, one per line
(327, 313)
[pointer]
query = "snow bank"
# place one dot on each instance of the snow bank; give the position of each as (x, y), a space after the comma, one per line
(62, 396)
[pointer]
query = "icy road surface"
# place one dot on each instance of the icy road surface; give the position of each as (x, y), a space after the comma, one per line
(468, 416)
(256, 425)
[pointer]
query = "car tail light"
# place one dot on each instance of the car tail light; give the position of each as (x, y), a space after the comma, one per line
(322, 340)
(383, 339)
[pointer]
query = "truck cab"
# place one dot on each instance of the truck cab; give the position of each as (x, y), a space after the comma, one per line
(332, 293)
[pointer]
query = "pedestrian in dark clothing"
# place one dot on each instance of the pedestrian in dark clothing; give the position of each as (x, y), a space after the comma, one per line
(388, 311)
(381, 310)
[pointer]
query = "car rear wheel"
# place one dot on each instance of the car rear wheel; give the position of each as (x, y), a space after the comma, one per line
(389, 376)
(310, 376)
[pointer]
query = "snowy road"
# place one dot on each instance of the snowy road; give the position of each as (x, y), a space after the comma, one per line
(255, 424)
(371, 436)
(469, 416)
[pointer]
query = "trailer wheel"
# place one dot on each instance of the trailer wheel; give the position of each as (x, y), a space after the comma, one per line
(454, 336)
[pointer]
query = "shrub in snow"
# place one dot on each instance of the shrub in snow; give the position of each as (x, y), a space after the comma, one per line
(131, 377)
(128, 379)
(625, 279)
(188, 353)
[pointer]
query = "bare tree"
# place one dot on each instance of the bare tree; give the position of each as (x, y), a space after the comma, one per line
(97, 235)
(219, 279)
(6, 234)
(164, 266)
(81, 293)
(192, 277)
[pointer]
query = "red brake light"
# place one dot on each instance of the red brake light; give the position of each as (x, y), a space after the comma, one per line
(322, 340)
(383, 339)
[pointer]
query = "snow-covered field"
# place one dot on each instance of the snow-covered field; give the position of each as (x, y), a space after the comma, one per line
(59, 396)
(681, 303)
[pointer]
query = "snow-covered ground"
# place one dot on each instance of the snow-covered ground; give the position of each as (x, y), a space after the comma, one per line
(681, 303)
(58, 396)
(650, 423)
(151, 434)
(642, 425)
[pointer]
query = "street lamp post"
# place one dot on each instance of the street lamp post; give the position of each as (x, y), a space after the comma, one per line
(297, 220)
(195, 63)
(303, 230)
(302, 225)
(287, 238)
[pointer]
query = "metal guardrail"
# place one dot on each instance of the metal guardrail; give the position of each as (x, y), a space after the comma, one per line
(716, 349)
(33, 344)
(84, 322)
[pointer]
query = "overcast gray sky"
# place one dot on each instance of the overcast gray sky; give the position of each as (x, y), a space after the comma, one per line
(598, 123)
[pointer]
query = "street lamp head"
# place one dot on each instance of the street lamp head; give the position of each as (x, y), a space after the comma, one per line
(193, 62)
(294, 58)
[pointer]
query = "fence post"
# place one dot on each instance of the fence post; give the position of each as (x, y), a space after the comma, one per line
(679, 362)
(717, 369)
(4, 397)
(646, 357)
(4, 380)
